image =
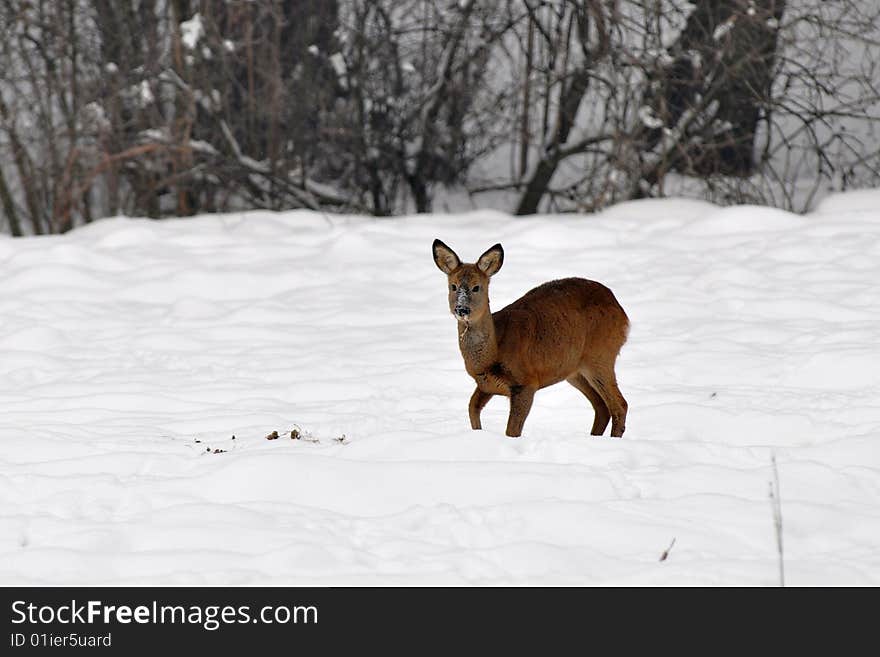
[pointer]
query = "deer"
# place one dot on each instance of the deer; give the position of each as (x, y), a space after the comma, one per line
(571, 329)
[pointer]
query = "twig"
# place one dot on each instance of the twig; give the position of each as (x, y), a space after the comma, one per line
(776, 505)
(666, 552)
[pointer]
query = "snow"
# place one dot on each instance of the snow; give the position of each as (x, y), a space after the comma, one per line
(192, 31)
(133, 350)
(96, 116)
(660, 56)
(337, 60)
(696, 58)
(146, 93)
(648, 118)
(723, 28)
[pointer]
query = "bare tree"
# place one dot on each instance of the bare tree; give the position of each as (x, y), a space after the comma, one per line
(156, 108)
(174, 107)
(420, 109)
(585, 42)
(731, 100)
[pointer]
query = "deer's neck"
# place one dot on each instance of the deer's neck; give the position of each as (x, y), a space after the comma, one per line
(478, 344)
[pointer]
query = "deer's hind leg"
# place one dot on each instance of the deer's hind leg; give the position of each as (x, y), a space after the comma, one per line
(604, 382)
(602, 414)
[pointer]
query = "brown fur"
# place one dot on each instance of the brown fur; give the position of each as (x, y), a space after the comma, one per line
(566, 330)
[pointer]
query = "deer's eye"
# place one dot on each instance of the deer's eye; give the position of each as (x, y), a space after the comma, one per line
(475, 288)
(452, 287)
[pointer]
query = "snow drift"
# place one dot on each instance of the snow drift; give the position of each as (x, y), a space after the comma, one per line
(132, 351)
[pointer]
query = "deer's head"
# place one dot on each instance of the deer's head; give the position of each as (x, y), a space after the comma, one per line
(468, 284)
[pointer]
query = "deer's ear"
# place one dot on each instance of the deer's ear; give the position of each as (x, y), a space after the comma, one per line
(445, 257)
(490, 262)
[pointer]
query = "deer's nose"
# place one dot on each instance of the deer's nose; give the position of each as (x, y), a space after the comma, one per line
(461, 311)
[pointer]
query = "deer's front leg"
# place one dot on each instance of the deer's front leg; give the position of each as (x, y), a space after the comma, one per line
(520, 405)
(478, 400)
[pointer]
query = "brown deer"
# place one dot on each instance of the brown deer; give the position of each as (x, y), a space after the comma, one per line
(571, 329)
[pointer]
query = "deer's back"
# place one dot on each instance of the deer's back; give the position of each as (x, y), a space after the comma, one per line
(553, 329)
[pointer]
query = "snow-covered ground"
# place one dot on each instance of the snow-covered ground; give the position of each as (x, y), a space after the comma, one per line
(131, 352)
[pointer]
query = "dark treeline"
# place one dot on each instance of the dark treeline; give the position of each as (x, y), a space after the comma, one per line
(176, 107)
